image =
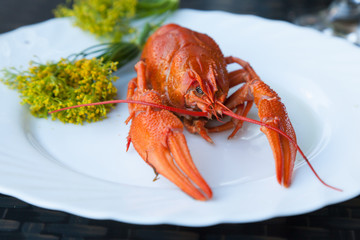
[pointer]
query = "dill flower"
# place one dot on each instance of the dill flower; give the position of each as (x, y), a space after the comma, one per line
(51, 86)
(104, 18)
(112, 19)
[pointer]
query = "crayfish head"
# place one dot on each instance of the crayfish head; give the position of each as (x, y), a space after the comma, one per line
(205, 93)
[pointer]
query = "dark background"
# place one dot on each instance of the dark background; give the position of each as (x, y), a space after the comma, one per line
(16, 13)
(19, 220)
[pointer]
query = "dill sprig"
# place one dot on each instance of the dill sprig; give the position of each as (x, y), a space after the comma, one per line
(120, 52)
(104, 18)
(124, 52)
(112, 20)
(54, 85)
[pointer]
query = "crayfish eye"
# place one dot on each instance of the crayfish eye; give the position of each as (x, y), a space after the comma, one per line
(199, 90)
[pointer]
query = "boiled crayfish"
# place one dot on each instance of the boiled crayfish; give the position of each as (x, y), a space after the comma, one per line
(184, 71)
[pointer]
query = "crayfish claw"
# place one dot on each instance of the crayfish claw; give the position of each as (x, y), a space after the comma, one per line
(272, 112)
(180, 151)
(157, 136)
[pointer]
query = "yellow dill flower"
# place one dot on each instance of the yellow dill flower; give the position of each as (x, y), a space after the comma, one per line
(104, 18)
(51, 86)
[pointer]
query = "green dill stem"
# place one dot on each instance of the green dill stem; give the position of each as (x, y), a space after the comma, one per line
(145, 33)
(121, 52)
(146, 8)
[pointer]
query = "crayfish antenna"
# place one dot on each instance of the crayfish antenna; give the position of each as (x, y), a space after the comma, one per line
(172, 109)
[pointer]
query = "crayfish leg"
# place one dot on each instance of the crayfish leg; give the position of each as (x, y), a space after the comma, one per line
(272, 112)
(197, 126)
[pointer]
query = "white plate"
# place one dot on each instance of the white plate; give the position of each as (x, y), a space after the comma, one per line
(85, 170)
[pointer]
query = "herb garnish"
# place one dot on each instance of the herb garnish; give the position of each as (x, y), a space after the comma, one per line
(78, 79)
(51, 86)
